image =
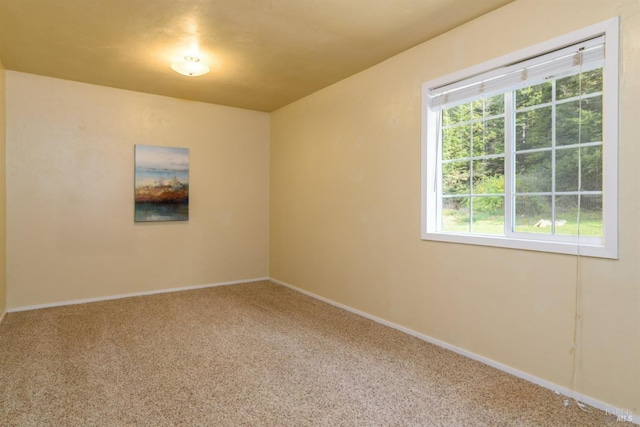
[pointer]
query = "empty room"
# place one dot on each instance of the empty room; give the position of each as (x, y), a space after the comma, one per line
(319, 213)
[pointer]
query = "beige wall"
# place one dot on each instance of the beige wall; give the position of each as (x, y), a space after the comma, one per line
(345, 215)
(71, 233)
(3, 213)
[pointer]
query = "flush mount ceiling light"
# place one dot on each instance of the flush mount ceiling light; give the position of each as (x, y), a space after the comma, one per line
(190, 66)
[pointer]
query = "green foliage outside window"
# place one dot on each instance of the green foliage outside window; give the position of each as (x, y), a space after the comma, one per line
(552, 123)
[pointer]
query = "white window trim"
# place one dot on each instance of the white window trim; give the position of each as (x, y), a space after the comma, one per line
(609, 247)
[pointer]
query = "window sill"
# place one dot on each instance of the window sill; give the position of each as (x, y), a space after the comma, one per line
(590, 250)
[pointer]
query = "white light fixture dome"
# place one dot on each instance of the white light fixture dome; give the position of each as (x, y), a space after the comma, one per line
(190, 66)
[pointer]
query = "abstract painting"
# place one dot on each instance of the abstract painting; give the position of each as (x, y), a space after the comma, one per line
(161, 183)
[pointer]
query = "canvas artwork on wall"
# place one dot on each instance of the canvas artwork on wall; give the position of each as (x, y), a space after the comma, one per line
(161, 183)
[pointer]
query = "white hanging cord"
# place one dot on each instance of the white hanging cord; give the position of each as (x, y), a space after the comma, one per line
(577, 330)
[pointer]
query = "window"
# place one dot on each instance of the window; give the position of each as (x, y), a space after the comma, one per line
(521, 152)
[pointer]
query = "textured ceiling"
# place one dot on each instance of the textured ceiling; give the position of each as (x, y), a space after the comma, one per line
(263, 54)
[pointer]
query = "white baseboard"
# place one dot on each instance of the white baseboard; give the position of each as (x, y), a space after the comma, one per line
(508, 369)
(135, 294)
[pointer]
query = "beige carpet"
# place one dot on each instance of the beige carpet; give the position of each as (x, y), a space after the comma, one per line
(254, 354)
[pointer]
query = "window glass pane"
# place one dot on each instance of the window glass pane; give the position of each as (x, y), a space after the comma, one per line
(569, 87)
(533, 95)
(567, 169)
(569, 123)
(456, 142)
(486, 107)
(533, 129)
(591, 162)
(455, 178)
(592, 81)
(477, 109)
(567, 119)
(533, 172)
(488, 137)
(455, 214)
(591, 129)
(488, 176)
(494, 105)
(567, 215)
(590, 216)
(488, 215)
(457, 114)
(533, 214)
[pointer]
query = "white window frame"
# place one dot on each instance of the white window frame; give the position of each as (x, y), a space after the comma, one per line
(607, 247)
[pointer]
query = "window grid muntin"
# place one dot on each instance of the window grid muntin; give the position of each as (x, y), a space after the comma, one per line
(471, 159)
(509, 156)
(554, 148)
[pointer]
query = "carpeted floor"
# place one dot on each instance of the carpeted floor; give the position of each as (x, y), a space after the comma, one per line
(254, 354)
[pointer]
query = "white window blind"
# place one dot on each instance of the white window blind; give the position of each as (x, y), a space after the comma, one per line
(584, 56)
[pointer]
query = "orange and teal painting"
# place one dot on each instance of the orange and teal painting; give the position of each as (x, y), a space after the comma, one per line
(161, 183)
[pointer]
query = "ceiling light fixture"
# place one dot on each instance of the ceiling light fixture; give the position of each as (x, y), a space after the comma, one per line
(190, 66)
